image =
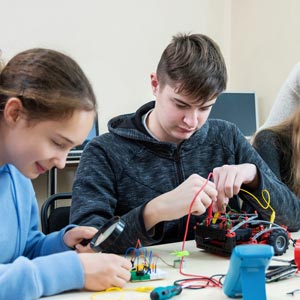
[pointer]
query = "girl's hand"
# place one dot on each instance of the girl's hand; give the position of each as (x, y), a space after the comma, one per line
(76, 235)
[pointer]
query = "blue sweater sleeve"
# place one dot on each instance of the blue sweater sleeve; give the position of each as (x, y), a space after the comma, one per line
(27, 270)
(30, 279)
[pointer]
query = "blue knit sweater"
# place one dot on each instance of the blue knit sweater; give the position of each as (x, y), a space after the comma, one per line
(25, 270)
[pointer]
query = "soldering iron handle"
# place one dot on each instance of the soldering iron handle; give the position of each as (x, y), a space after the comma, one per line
(167, 292)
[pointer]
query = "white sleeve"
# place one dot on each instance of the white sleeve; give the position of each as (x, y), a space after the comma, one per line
(287, 98)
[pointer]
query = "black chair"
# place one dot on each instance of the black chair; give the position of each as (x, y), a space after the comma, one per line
(55, 212)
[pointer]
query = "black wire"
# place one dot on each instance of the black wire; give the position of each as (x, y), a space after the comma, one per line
(208, 280)
(222, 276)
(191, 287)
(293, 242)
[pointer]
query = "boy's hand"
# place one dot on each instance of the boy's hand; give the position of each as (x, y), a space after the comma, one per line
(176, 203)
(229, 179)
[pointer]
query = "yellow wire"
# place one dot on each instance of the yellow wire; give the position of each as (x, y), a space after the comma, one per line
(142, 289)
(267, 201)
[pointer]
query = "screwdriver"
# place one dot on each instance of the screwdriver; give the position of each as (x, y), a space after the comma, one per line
(166, 292)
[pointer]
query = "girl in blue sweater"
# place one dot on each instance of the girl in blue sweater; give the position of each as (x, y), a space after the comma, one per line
(47, 106)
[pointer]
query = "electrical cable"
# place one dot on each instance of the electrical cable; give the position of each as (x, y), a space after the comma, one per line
(209, 281)
(267, 201)
(142, 289)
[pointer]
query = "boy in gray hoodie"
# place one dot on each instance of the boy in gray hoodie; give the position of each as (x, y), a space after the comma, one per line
(151, 164)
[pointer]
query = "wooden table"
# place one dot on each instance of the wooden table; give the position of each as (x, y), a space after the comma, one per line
(198, 262)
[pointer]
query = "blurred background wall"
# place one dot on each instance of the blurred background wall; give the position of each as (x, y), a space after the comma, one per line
(118, 44)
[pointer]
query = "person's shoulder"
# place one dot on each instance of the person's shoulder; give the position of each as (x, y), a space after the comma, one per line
(217, 125)
(11, 175)
(11, 170)
(266, 137)
(265, 134)
(15, 173)
(219, 131)
(107, 142)
(293, 79)
(105, 137)
(296, 68)
(221, 123)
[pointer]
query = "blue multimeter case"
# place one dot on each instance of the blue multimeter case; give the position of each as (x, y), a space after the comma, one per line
(246, 274)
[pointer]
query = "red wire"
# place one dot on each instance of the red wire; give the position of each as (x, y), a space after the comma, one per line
(210, 281)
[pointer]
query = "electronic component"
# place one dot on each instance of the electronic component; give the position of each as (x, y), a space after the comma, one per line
(248, 264)
(166, 292)
(147, 275)
(144, 264)
(221, 233)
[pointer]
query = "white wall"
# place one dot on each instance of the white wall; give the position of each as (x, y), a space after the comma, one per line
(265, 44)
(118, 43)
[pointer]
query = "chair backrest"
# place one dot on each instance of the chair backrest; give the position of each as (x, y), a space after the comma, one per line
(55, 212)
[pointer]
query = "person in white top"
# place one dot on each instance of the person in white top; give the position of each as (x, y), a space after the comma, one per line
(287, 99)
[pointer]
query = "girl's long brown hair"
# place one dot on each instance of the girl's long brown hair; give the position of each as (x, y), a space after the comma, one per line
(288, 133)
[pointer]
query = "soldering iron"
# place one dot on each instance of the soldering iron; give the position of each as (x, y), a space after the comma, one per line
(166, 292)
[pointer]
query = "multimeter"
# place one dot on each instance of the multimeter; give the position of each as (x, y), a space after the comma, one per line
(246, 275)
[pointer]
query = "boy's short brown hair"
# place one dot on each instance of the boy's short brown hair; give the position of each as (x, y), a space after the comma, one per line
(194, 66)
